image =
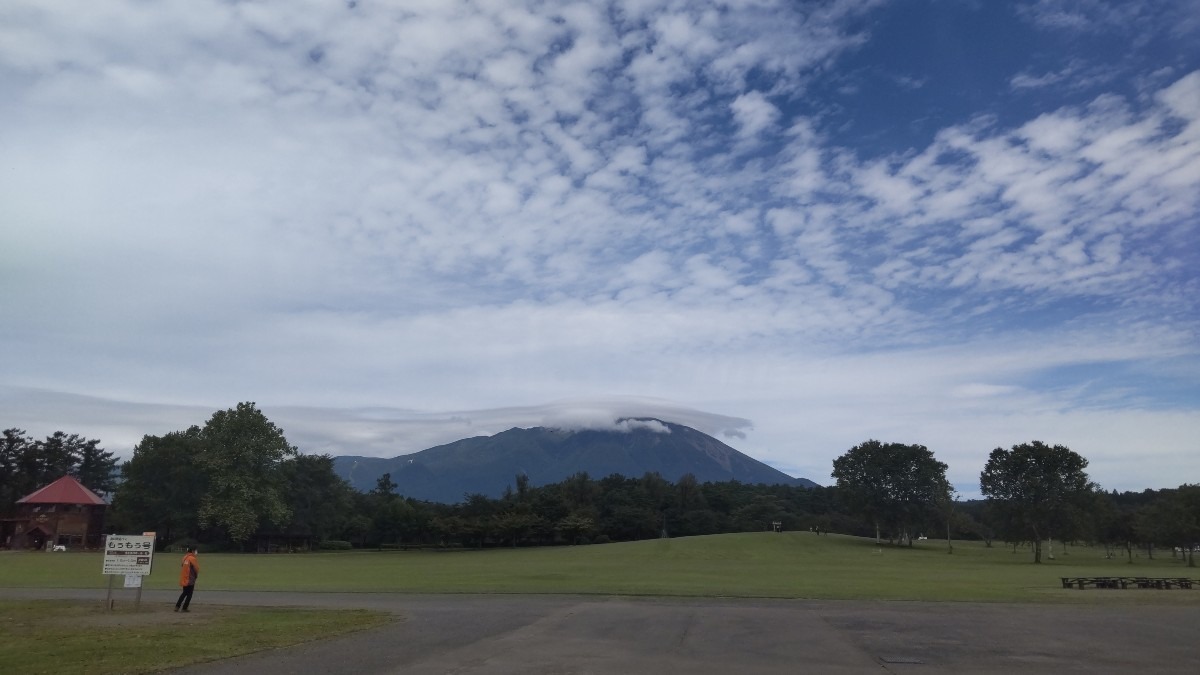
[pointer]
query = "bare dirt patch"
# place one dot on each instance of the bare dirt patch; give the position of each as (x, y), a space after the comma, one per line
(150, 614)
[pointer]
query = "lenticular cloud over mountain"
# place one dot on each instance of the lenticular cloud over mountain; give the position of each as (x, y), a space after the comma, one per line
(628, 414)
(620, 425)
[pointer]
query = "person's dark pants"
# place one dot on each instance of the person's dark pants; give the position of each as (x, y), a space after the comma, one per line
(185, 598)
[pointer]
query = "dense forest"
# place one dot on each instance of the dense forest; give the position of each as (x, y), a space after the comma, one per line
(236, 484)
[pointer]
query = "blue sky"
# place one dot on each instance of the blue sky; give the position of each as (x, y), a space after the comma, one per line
(793, 225)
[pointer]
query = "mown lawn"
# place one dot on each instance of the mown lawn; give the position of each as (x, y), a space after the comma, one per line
(65, 637)
(787, 565)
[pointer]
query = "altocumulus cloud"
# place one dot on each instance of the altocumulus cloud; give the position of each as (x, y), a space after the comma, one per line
(396, 224)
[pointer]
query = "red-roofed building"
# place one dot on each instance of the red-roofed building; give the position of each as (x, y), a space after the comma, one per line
(62, 513)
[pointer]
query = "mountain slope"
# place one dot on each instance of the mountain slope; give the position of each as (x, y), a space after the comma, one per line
(489, 464)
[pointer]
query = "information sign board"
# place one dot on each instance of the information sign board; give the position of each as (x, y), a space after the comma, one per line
(128, 554)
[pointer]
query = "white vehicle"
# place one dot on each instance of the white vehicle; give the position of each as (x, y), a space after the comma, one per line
(59, 547)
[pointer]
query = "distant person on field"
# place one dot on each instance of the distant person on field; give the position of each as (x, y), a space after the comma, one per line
(188, 571)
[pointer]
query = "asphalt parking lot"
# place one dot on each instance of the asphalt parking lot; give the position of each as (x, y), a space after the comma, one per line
(506, 634)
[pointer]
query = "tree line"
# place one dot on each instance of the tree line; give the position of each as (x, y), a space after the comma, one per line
(236, 482)
(1035, 493)
(27, 464)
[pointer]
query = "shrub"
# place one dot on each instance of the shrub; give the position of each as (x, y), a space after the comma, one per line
(334, 545)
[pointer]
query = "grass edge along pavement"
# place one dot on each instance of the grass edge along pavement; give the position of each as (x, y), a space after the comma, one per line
(748, 565)
(61, 636)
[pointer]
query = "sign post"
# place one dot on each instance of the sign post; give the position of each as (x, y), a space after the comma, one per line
(131, 555)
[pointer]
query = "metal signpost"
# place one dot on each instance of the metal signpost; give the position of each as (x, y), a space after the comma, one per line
(131, 555)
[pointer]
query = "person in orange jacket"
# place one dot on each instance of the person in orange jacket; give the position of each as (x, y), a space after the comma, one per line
(189, 570)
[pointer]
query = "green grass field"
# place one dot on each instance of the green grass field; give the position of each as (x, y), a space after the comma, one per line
(42, 636)
(755, 565)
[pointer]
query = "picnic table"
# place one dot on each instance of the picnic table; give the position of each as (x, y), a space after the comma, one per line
(1162, 583)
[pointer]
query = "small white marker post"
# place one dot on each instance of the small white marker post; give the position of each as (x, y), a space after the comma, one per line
(135, 581)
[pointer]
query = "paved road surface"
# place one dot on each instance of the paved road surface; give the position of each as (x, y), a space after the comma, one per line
(622, 636)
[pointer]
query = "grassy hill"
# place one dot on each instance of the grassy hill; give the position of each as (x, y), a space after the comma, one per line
(788, 565)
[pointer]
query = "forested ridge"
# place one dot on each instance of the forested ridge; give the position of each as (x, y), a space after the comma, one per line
(237, 484)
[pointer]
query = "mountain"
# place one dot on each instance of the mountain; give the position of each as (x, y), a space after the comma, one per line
(489, 464)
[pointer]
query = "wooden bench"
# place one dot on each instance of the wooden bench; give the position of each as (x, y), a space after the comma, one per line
(1095, 582)
(1163, 583)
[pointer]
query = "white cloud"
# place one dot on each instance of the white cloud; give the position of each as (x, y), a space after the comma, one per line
(363, 217)
(599, 420)
(1078, 15)
(754, 113)
(981, 390)
(1182, 98)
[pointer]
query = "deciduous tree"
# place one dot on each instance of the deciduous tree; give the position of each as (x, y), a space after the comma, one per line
(893, 485)
(1038, 488)
(320, 502)
(242, 454)
(1173, 520)
(162, 485)
(575, 526)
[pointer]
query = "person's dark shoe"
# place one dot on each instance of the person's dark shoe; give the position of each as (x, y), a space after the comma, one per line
(176, 609)
(185, 609)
